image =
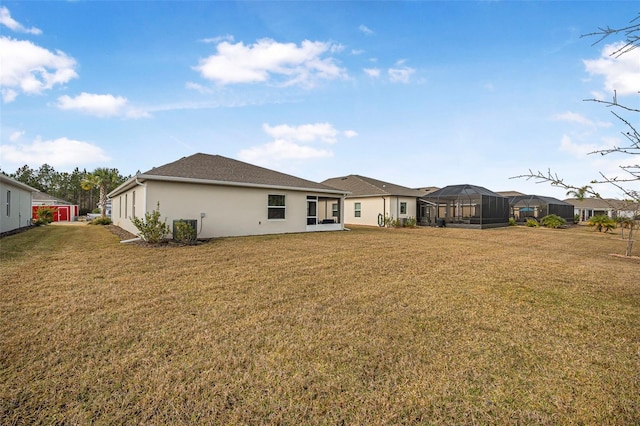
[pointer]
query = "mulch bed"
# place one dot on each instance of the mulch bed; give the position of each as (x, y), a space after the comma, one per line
(121, 233)
(126, 235)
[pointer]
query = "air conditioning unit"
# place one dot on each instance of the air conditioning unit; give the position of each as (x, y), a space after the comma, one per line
(182, 233)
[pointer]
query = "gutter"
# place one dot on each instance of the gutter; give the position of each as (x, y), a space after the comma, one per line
(221, 183)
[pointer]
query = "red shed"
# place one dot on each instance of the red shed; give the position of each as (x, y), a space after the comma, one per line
(63, 211)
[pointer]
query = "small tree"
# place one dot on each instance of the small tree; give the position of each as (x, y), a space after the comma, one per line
(103, 179)
(630, 173)
(151, 229)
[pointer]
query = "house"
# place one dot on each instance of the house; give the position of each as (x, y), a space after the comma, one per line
(468, 206)
(226, 197)
(589, 207)
(63, 211)
(370, 200)
(524, 207)
(15, 204)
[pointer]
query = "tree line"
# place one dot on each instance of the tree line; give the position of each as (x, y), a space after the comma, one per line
(78, 187)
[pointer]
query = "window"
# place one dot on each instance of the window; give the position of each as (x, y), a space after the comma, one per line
(358, 210)
(403, 208)
(133, 204)
(8, 203)
(276, 207)
(334, 210)
(125, 203)
(120, 207)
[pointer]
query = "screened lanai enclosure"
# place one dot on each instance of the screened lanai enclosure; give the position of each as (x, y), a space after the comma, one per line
(525, 207)
(467, 206)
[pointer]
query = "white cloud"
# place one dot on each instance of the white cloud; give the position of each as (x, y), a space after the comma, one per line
(15, 136)
(294, 143)
(365, 30)
(9, 95)
(620, 73)
(198, 87)
(12, 24)
(280, 150)
(581, 150)
(218, 39)
(267, 59)
(372, 72)
(323, 132)
(572, 117)
(100, 105)
(31, 69)
(400, 75)
(59, 152)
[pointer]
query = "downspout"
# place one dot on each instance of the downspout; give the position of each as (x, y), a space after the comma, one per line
(144, 209)
(384, 209)
(144, 198)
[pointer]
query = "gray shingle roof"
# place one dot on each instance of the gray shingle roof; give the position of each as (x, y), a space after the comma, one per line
(362, 186)
(217, 168)
(603, 203)
(42, 197)
(465, 189)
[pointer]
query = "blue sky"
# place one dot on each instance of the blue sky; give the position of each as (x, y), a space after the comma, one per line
(414, 93)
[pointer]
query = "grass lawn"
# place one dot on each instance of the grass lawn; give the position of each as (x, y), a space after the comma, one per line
(417, 326)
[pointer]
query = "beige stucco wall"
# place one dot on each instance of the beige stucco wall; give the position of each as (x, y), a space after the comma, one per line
(371, 207)
(19, 209)
(228, 210)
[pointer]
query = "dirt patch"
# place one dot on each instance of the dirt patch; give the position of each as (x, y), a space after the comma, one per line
(625, 257)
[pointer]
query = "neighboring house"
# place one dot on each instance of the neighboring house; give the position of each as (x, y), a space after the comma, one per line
(63, 211)
(524, 207)
(15, 204)
(589, 207)
(370, 200)
(468, 206)
(227, 197)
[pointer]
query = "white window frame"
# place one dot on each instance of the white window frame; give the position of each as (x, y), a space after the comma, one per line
(357, 209)
(403, 207)
(278, 207)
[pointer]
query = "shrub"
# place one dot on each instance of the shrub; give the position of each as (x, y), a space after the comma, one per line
(411, 222)
(532, 223)
(576, 218)
(184, 232)
(44, 215)
(602, 221)
(552, 221)
(101, 221)
(151, 229)
(512, 221)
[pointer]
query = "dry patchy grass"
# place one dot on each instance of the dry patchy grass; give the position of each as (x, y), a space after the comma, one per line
(437, 326)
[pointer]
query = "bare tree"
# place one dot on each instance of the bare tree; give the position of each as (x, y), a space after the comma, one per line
(630, 173)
